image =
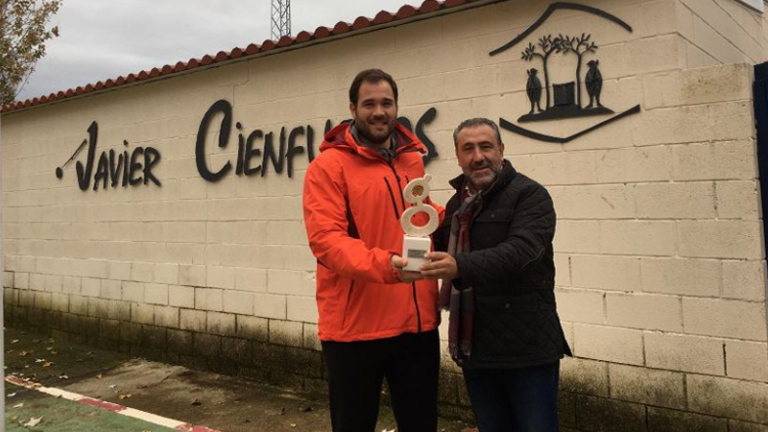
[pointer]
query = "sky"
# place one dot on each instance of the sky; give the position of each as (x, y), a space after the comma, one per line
(105, 39)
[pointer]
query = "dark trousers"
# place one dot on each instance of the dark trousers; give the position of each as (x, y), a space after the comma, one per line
(410, 363)
(515, 400)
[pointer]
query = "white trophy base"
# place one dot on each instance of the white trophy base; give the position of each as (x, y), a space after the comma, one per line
(414, 249)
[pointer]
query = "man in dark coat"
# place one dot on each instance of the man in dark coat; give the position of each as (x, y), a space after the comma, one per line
(498, 264)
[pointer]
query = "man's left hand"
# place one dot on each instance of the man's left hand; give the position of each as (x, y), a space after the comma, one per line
(440, 265)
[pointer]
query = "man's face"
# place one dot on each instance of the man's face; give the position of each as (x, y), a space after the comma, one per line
(480, 155)
(376, 112)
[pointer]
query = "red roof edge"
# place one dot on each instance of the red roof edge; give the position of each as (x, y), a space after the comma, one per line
(383, 17)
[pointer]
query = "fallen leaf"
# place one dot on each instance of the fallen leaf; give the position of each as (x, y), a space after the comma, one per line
(14, 419)
(36, 340)
(63, 377)
(99, 376)
(33, 422)
(281, 412)
(196, 402)
(387, 430)
(11, 395)
(49, 349)
(39, 360)
(123, 396)
(306, 409)
(113, 386)
(23, 353)
(48, 364)
(15, 341)
(293, 424)
(19, 405)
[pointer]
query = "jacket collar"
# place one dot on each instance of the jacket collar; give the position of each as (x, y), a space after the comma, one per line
(341, 138)
(506, 175)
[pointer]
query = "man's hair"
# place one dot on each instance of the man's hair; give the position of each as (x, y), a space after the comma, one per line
(371, 76)
(475, 122)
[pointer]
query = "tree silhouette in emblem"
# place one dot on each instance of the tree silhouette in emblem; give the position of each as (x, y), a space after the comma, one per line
(578, 45)
(548, 46)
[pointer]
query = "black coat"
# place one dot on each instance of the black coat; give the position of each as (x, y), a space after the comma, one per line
(512, 270)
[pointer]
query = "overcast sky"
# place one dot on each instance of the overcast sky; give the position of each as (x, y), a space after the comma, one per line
(105, 39)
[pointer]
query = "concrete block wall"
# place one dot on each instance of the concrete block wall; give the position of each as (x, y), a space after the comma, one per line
(661, 272)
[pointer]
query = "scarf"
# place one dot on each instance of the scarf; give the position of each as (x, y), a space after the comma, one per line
(460, 303)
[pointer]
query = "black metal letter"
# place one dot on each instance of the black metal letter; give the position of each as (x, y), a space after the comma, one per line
(225, 108)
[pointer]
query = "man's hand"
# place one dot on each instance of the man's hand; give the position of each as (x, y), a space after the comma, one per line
(398, 263)
(440, 266)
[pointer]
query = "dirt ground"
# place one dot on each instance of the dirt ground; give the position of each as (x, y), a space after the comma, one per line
(220, 402)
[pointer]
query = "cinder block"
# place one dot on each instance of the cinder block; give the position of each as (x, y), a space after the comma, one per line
(286, 333)
(181, 296)
(584, 376)
(608, 344)
(133, 291)
(310, 337)
(8, 279)
(155, 293)
(167, 317)
(192, 275)
(603, 415)
(644, 311)
(37, 282)
(90, 288)
(738, 200)
(167, 273)
(744, 280)
(563, 270)
(222, 324)
(302, 309)
(577, 236)
(238, 302)
(193, 320)
(611, 273)
(739, 426)
(270, 306)
(635, 165)
(594, 202)
(78, 305)
(684, 353)
(209, 299)
(689, 200)
(142, 272)
(729, 398)
(111, 289)
(720, 239)
(581, 306)
(21, 280)
(142, 313)
(60, 302)
(220, 277)
(251, 279)
(647, 386)
(747, 360)
(119, 270)
(725, 318)
(665, 420)
(732, 160)
(637, 238)
(290, 282)
(252, 328)
(692, 277)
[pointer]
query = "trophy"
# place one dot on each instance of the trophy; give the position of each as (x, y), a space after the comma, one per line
(416, 242)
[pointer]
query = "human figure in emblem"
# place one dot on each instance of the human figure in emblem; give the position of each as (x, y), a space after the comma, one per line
(594, 83)
(533, 88)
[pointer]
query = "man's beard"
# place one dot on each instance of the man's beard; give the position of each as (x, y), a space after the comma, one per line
(368, 136)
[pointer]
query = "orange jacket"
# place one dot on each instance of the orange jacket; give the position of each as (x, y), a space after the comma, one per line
(352, 206)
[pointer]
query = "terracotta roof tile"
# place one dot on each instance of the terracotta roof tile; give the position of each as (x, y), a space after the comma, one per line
(383, 17)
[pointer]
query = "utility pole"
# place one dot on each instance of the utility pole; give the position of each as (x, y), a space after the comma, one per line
(281, 18)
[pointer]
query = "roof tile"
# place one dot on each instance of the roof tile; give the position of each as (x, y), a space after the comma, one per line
(383, 17)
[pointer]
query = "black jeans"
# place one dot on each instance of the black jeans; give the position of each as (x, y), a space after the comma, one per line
(514, 400)
(410, 363)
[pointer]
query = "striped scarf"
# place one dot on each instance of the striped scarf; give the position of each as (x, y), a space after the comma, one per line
(460, 303)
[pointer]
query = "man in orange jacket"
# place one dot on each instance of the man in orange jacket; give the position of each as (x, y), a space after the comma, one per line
(375, 321)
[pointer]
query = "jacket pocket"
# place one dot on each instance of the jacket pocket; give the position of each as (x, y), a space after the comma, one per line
(515, 327)
(348, 306)
(491, 227)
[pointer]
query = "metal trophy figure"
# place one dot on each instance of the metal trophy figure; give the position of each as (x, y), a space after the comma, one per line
(416, 242)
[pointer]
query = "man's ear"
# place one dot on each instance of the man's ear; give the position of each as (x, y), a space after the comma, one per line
(352, 109)
(501, 148)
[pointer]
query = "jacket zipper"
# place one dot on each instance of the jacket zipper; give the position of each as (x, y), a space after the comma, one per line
(392, 196)
(413, 284)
